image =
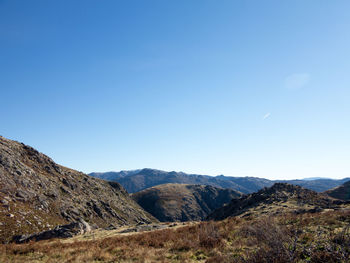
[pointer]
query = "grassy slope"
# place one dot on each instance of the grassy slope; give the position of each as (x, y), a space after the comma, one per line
(341, 192)
(317, 237)
(182, 202)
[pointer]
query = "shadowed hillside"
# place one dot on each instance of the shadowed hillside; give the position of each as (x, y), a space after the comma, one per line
(341, 192)
(180, 202)
(37, 194)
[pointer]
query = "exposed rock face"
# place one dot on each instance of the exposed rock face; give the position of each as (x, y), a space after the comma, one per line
(279, 198)
(63, 231)
(181, 202)
(137, 180)
(37, 194)
(341, 192)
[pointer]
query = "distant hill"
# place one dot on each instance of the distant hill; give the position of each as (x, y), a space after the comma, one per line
(37, 194)
(318, 185)
(183, 202)
(314, 178)
(137, 180)
(279, 198)
(113, 176)
(341, 192)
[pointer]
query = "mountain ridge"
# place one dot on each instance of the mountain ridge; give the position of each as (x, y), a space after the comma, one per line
(137, 180)
(277, 199)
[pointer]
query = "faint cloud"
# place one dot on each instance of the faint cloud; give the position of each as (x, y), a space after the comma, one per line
(266, 115)
(297, 81)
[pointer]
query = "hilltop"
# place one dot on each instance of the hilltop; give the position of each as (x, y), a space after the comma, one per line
(37, 194)
(181, 202)
(278, 199)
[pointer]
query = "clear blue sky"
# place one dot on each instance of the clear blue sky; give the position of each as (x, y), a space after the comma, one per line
(241, 88)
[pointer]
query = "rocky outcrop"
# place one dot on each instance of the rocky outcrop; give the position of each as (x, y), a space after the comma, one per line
(37, 194)
(281, 197)
(64, 231)
(181, 202)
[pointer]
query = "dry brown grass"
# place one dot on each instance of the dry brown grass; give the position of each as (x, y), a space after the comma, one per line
(318, 237)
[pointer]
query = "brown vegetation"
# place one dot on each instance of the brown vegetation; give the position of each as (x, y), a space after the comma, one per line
(341, 192)
(309, 237)
(278, 199)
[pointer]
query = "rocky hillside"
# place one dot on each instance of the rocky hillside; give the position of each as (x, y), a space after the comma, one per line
(37, 194)
(181, 202)
(137, 180)
(281, 197)
(341, 192)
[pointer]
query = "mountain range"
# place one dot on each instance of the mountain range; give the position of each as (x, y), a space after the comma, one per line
(39, 196)
(137, 180)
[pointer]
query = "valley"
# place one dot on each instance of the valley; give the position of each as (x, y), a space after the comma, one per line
(174, 131)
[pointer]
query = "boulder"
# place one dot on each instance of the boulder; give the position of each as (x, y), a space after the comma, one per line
(62, 231)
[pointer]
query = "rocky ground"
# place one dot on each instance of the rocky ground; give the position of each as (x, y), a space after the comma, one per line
(297, 238)
(278, 199)
(37, 194)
